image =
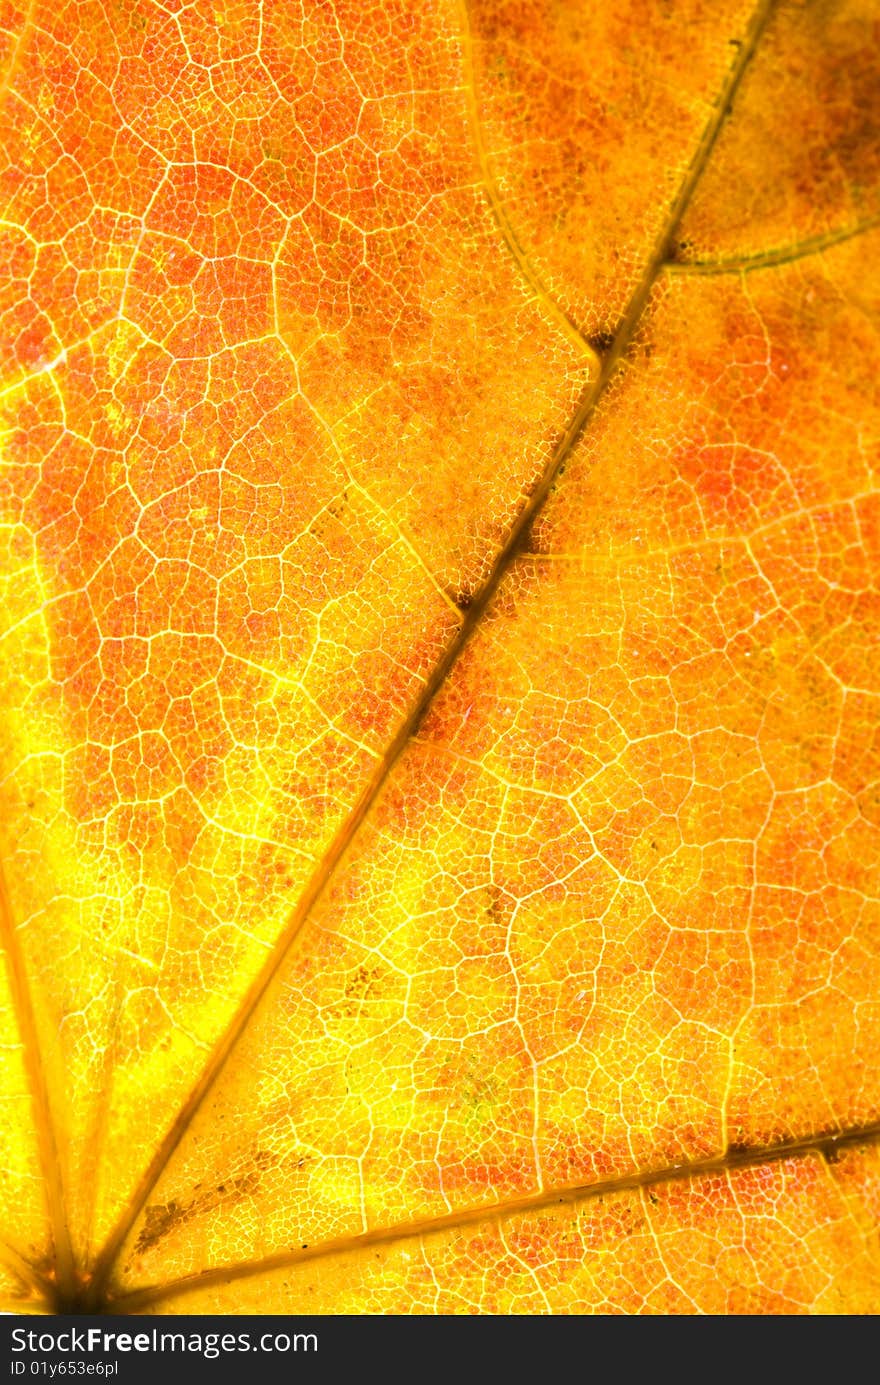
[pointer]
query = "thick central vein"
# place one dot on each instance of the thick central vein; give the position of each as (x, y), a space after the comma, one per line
(438, 677)
(826, 1146)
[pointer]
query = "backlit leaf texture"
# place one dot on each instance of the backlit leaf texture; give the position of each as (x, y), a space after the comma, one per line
(440, 657)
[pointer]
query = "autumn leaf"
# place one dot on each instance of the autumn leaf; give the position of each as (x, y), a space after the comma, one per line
(440, 657)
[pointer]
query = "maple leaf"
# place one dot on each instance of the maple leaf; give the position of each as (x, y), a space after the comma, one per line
(439, 657)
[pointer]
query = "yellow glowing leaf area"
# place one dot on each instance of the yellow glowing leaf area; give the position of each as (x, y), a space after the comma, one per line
(440, 656)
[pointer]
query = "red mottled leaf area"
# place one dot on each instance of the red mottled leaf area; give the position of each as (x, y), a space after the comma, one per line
(439, 767)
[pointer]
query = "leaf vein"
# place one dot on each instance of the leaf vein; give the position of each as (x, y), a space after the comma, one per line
(825, 1145)
(472, 618)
